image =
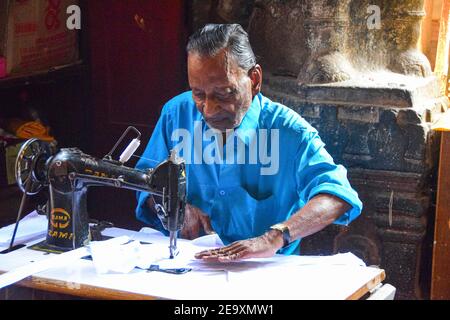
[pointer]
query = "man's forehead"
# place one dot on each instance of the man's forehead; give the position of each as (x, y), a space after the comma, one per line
(221, 61)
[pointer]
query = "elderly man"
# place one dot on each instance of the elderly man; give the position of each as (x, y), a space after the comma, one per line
(257, 173)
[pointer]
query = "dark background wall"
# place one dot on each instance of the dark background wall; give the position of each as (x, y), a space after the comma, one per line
(132, 61)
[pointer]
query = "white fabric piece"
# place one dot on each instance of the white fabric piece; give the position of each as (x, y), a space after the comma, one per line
(60, 260)
(31, 227)
(123, 258)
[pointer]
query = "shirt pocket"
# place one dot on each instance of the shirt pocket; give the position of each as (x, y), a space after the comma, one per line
(265, 214)
(250, 217)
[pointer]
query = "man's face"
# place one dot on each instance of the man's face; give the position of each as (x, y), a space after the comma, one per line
(222, 91)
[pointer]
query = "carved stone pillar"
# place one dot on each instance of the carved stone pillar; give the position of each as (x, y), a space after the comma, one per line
(220, 11)
(277, 34)
(324, 41)
(392, 45)
(326, 32)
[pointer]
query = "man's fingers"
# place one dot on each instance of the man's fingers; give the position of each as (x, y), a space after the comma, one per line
(192, 231)
(195, 230)
(230, 256)
(233, 257)
(205, 253)
(243, 249)
(186, 234)
(213, 254)
(191, 228)
(232, 248)
(206, 223)
(221, 251)
(194, 221)
(187, 228)
(209, 253)
(228, 247)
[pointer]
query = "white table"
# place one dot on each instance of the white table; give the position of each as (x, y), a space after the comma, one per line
(258, 279)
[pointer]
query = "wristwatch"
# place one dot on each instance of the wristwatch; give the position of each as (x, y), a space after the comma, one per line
(285, 231)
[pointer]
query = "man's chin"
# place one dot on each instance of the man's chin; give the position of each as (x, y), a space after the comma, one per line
(220, 126)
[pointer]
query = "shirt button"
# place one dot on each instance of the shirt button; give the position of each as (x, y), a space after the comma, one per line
(222, 192)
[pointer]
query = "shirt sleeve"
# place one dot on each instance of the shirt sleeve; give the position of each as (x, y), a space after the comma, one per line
(317, 173)
(156, 151)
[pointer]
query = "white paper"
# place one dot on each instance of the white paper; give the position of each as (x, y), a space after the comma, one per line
(210, 240)
(123, 258)
(344, 259)
(309, 277)
(31, 227)
(55, 261)
(148, 236)
(148, 230)
(114, 257)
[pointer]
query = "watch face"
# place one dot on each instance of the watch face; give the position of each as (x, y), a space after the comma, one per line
(279, 226)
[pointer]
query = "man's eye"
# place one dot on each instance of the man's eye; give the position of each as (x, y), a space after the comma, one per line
(226, 95)
(198, 95)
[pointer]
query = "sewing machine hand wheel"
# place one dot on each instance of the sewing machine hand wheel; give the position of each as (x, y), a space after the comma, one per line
(30, 164)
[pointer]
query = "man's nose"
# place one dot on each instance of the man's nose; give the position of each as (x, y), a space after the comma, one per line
(210, 108)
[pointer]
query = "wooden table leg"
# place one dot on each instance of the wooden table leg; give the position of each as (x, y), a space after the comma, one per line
(440, 283)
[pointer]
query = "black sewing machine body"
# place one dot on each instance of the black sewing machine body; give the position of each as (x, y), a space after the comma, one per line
(69, 173)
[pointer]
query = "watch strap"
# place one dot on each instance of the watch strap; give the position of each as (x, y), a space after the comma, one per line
(284, 231)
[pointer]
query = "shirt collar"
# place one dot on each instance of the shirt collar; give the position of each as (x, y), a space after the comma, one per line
(247, 129)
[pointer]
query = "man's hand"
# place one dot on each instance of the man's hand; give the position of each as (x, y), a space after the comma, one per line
(264, 246)
(194, 221)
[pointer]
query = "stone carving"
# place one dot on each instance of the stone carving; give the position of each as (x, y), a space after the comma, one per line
(323, 41)
(221, 11)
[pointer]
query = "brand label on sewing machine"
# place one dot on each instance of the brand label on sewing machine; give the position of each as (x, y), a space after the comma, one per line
(59, 220)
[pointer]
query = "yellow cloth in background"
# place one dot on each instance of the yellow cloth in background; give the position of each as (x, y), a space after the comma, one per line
(33, 129)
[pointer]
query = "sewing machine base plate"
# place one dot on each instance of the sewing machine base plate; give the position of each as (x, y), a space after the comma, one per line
(45, 247)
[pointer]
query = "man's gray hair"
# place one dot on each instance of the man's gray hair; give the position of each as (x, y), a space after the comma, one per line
(212, 38)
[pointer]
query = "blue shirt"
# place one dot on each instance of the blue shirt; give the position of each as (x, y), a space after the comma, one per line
(244, 197)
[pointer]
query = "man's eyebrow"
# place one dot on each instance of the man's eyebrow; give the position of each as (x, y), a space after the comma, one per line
(225, 88)
(216, 88)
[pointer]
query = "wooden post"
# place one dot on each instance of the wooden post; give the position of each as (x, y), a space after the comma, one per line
(440, 282)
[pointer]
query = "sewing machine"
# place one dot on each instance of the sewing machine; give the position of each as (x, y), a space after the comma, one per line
(69, 172)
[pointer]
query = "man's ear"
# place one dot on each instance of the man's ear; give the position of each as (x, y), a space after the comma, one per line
(255, 75)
